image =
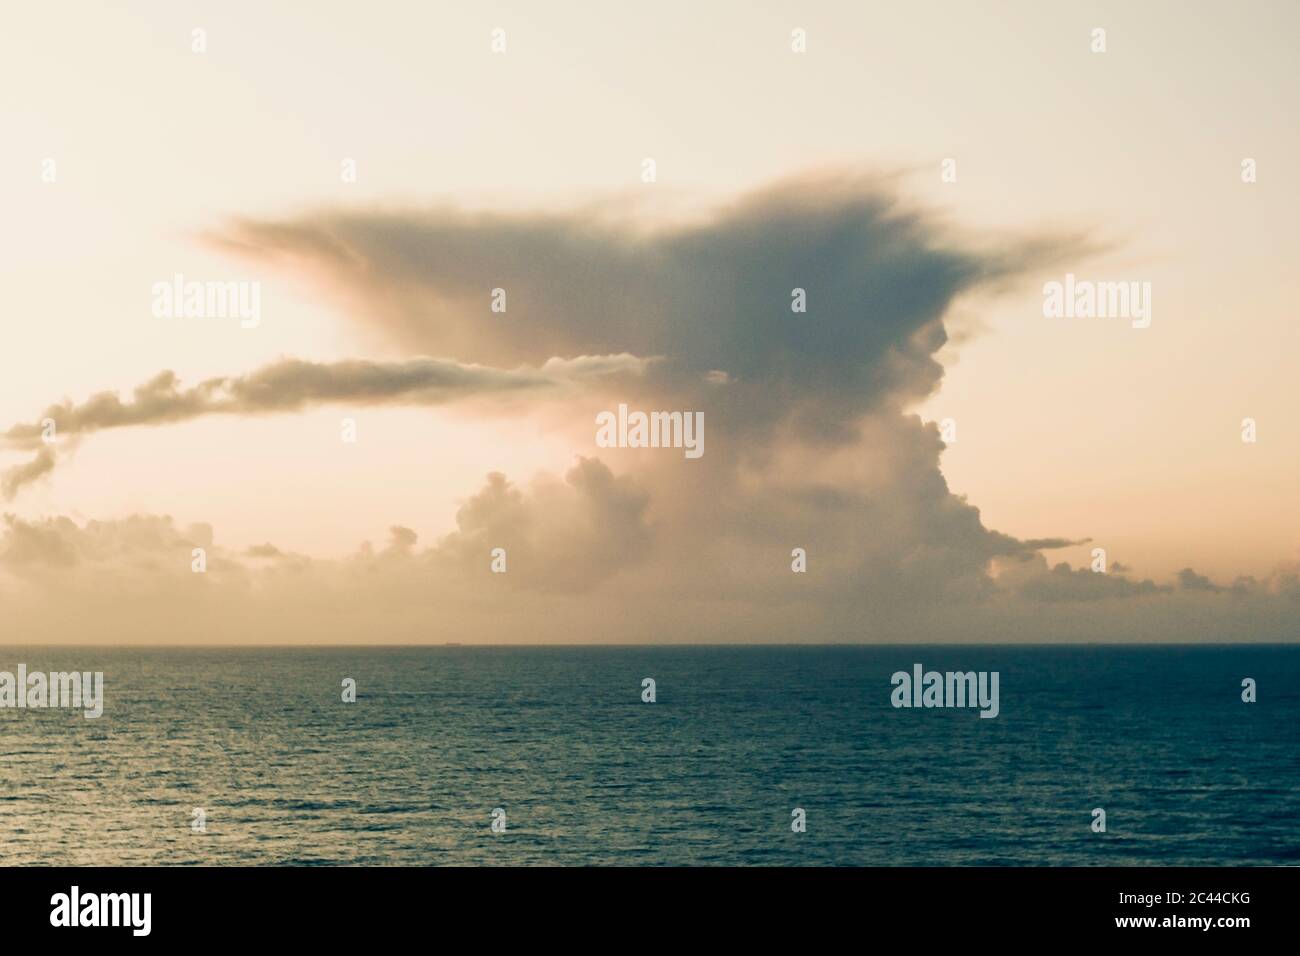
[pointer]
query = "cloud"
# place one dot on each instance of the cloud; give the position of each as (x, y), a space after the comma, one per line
(810, 441)
(560, 536)
(712, 294)
(34, 547)
(1064, 583)
(19, 475)
(291, 385)
(1189, 580)
(131, 581)
(1284, 580)
(793, 401)
(27, 544)
(1049, 544)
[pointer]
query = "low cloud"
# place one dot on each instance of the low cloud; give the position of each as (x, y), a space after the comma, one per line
(131, 581)
(1064, 583)
(1189, 580)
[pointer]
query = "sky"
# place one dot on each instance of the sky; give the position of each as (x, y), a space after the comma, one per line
(138, 149)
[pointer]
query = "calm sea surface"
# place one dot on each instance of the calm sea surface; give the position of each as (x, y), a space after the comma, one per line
(708, 774)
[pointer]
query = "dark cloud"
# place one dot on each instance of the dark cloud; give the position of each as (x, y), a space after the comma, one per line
(292, 385)
(401, 538)
(809, 443)
(1048, 544)
(789, 398)
(1189, 580)
(711, 295)
(1064, 583)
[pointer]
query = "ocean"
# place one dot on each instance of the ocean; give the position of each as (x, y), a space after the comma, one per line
(584, 772)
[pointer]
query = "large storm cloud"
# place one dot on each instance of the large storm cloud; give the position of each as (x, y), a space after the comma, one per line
(811, 442)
